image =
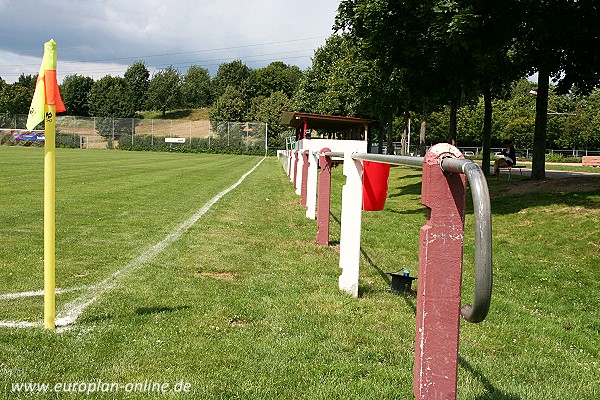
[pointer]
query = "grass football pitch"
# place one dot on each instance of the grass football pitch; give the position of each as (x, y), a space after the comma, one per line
(244, 304)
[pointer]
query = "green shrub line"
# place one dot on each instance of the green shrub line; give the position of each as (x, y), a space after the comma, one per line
(195, 145)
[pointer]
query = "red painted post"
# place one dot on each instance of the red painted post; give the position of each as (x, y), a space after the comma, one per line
(323, 199)
(304, 182)
(440, 267)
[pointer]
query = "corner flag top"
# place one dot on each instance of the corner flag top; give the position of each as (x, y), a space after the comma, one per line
(46, 88)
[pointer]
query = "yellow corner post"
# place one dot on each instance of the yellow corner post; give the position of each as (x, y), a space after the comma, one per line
(45, 104)
(49, 217)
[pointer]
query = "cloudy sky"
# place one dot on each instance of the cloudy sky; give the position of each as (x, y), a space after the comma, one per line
(101, 37)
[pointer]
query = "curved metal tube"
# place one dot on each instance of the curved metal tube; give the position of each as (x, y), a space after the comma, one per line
(483, 236)
(483, 223)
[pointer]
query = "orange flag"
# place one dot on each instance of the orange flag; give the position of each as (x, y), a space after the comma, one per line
(46, 88)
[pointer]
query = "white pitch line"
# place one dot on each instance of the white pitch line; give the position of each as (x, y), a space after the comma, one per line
(76, 307)
(34, 293)
(20, 324)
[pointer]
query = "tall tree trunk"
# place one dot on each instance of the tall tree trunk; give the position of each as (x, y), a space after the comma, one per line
(538, 167)
(487, 131)
(403, 151)
(380, 131)
(452, 126)
(423, 131)
(390, 134)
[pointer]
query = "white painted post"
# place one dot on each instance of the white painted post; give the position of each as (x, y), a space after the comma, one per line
(311, 185)
(350, 225)
(299, 173)
(292, 164)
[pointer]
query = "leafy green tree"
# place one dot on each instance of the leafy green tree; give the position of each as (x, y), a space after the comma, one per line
(137, 77)
(16, 98)
(229, 106)
(110, 98)
(560, 40)
(234, 73)
(27, 81)
(74, 92)
(164, 91)
(275, 77)
(268, 110)
(196, 90)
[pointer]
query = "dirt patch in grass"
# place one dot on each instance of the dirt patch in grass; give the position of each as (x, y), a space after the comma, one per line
(217, 275)
(567, 185)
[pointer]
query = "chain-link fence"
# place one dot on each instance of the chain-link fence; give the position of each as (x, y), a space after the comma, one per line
(142, 134)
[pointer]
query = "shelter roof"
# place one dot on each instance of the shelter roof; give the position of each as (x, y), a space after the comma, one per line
(321, 121)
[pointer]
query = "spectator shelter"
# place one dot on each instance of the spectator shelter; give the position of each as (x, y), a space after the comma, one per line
(319, 126)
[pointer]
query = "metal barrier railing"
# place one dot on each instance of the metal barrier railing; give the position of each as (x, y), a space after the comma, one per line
(483, 221)
(445, 175)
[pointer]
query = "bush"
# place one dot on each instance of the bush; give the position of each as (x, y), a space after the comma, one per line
(196, 145)
(67, 140)
(557, 157)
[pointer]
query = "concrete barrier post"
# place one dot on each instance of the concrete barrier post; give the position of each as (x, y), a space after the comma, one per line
(294, 167)
(311, 185)
(439, 284)
(290, 163)
(324, 199)
(351, 225)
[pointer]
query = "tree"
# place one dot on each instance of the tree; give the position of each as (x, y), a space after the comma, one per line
(234, 73)
(16, 98)
(229, 106)
(405, 42)
(560, 40)
(74, 91)
(268, 110)
(164, 91)
(196, 90)
(137, 77)
(275, 77)
(111, 97)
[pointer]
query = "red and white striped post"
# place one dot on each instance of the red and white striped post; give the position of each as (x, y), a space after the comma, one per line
(324, 198)
(439, 284)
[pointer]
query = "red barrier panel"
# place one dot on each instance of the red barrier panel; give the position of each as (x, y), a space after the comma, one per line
(439, 283)
(375, 185)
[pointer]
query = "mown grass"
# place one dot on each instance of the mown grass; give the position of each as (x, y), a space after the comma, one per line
(245, 305)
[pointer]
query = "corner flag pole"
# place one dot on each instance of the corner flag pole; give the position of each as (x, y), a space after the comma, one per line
(44, 106)
(49, 217)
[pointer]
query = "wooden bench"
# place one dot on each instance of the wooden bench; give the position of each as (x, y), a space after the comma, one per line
(590, 161)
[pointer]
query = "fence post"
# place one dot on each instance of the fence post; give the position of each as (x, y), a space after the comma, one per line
(351, 225)
(294, 167)
(311, 185)
(440, 265)
(299, 169)
(303, 185)
(324, 199)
